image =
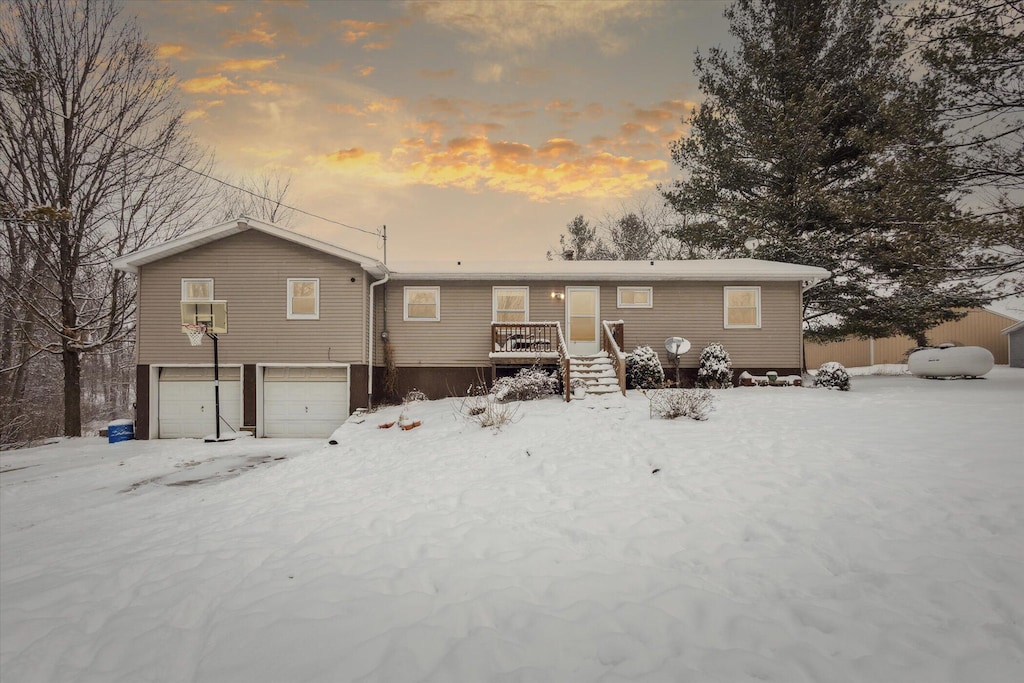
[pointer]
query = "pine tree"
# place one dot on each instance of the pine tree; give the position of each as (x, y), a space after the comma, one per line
(814, 139)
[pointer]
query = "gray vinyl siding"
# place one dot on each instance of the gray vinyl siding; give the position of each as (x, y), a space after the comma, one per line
(694, 310)
(250, 271)
(1016, 351)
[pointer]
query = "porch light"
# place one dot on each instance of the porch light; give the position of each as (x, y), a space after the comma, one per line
(558, 295)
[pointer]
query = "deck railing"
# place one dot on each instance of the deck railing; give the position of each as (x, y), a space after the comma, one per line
(563, 351)
(524, 338)
(611, 343)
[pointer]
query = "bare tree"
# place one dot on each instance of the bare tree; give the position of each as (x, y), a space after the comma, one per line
(260, 196)
(96, 163)
(640, 230)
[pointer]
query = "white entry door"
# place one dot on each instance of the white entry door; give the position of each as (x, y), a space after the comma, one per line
(583, 316)
(304, 402)
(186, 402)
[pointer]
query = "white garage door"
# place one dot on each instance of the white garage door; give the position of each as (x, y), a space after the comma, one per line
(304, 402)
(187, 408)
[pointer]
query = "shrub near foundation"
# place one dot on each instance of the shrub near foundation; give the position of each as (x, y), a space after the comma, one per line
(526, 385)
(715, 371)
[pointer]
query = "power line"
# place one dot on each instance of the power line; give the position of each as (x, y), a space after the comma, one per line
(375, 233)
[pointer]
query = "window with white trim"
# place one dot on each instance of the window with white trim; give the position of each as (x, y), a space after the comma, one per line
(422, 303)
(636, 297)
(197, 289)
(510, 304)
(303, 298)
(742, 307)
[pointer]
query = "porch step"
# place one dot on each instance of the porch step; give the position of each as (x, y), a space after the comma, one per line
(597, 371)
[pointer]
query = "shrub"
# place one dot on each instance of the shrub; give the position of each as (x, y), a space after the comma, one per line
(415, 396)
(695, 404)
(715, 371)
(527, 384)
(833, 375)
(479, 406)
(643, 369)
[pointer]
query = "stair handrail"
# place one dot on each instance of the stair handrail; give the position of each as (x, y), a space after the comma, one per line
(610, 346)
(563, 350)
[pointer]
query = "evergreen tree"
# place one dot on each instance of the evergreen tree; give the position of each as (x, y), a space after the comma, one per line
(975, 49)
(814, 139)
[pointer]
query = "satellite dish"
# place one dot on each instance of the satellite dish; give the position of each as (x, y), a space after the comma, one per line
(677, 345)
(751, 244)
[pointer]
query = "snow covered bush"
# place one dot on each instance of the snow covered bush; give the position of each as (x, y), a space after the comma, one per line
(692, 403)
(715, 371)
(527, 384)
(833, 375)
(415, 396)
(480, 407)
(643, 369)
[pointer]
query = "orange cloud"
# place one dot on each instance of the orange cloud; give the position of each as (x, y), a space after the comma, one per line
(266, 87)
(384, 105)
(355, 30)
(365, 71)
(355, 156)
(201, 109)
(217, 84)
(349, 109)
(170, 51)
(560, 168)
(243, 65)
(253, 35)
(377, 46)
(260, 32)
(559, 147)
(527, 26)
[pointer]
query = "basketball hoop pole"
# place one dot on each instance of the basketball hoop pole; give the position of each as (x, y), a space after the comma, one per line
(216, 382)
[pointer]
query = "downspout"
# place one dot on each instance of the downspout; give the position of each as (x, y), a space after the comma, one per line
(373, 336)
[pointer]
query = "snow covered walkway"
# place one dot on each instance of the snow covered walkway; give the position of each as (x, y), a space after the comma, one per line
(797, 535)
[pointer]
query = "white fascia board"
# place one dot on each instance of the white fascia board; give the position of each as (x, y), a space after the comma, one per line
(1013, 328)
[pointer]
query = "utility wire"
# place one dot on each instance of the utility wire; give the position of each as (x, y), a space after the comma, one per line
(375, 233)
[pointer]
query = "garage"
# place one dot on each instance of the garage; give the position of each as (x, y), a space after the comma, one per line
(304, 402)
(186, 402)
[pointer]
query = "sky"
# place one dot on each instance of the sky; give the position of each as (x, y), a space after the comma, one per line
(472, 129)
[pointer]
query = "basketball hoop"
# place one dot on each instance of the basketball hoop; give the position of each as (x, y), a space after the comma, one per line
(195, 333)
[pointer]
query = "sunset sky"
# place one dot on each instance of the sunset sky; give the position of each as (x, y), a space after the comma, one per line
(472, 129)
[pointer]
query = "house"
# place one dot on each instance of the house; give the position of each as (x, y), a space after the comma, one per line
(1015, 342)
(979, 327)
(298, 355)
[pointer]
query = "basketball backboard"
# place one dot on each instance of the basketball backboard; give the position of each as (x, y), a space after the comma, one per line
(213, 314)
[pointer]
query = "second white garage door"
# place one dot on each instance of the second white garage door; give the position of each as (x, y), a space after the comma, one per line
(304, 402)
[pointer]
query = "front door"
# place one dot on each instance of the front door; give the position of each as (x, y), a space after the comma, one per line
(582, 313)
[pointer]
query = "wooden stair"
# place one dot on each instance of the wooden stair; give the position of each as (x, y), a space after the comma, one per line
(597, 371)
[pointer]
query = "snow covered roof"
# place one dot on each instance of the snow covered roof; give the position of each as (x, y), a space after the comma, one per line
(717, 269)
(195, 238)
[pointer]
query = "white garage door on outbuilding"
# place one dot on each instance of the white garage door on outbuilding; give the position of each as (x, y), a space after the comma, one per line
(186, 402)
(303, 402)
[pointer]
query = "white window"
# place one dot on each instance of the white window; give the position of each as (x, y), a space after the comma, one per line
(742, 307)
(510, 304)
(636, 297)
(303, 298)
(197, 289)
(422, 303)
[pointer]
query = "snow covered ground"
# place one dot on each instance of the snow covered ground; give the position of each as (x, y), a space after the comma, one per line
(797, 535)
